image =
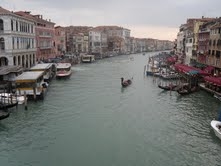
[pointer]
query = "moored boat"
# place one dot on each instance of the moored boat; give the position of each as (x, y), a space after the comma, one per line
(8, 98)
(63, 70)
(87, 58)
(216, 125)
(48, 68)
(217, 96)
(170, 87)
(4, 115)
(4, 106)
(32, 84)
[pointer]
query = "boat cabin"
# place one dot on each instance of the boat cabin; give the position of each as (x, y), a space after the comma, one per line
(63, 70)
(7, 77)
(49, 70)
(32, 84)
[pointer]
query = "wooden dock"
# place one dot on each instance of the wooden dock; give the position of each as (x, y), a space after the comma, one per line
(202, 86)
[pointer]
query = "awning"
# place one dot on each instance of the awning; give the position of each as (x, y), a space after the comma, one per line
(213, 80)
(171, 59)
(209, 69)
(190, 70)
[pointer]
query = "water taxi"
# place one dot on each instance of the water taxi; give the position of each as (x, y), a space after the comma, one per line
(32, 84)
(48, 68)
(87, 58)
(63, 70)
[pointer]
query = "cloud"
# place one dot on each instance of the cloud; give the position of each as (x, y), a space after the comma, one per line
(140, 13)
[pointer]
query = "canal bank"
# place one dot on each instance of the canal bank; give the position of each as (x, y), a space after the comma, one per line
(89, 119)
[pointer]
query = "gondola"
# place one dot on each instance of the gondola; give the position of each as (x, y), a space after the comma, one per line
(125, 83)
(4, 115)
(167, 87)
(8, 105)
(186, 91)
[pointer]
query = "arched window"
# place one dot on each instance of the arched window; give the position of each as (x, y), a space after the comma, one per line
(33, 59)
(30, 58)
(19, 60)
(1, 25)
(12, 26)
(3, 61)
(23, 61)
(16, 25)
(2, 43)
(14, 60)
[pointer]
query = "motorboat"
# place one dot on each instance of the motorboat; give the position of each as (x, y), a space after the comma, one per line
(216, 125)
(63, 70)
(217, 96)
(87, 58)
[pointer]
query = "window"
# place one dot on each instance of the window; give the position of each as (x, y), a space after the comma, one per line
(16, 25)
(12, 27)
(13, 42)
(2, 44)
(17, 43)
(214, 42)
(1, 25)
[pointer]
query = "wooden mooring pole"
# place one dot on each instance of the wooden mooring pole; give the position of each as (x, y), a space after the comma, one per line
(25, 96)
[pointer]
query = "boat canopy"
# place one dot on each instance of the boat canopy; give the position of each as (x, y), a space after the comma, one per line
(41, 66)
(213, 80)
(29, 76)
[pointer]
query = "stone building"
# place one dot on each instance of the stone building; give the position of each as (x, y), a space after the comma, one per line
(45, 32)
(17, 40)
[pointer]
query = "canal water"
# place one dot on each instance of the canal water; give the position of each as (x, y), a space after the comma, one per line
(90, 120)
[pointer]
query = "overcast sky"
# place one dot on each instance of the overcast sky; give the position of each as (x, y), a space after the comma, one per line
(145, 18)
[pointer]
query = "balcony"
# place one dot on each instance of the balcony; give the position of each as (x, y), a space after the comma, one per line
(45, 47)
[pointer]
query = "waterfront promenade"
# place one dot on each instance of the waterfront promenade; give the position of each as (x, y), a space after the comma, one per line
(90, 120)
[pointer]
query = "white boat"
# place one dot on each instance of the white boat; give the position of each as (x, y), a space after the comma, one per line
(216, 125)
(87, 58)
(217, 96)
(63, 70)
(9, 98)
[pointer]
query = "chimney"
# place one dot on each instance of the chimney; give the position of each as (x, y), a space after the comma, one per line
(27, 12)
(49, 20)
(202, 17)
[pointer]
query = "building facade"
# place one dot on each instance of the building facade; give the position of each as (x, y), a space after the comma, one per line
(60, 41)
(17, 40)
(45, 33)
(215, 46)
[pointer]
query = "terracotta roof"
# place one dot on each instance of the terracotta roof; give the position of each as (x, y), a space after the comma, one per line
(33, 17)
(103, 28)
(217, 25)
(5, 11)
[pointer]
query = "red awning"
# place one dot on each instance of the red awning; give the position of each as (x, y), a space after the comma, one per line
(189, 69)
(209, 69)
(172, 59)
(214, 80)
